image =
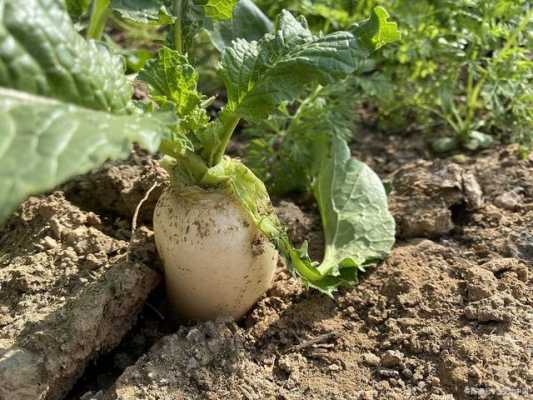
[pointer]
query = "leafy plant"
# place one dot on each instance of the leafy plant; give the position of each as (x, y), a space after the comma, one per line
(66, 107)
(258, 76)
(462, 71)
(64, 103)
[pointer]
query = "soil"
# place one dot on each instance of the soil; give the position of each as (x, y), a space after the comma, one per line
(449, 315)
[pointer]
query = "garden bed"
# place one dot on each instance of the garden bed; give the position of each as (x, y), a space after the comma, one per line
(447, 315)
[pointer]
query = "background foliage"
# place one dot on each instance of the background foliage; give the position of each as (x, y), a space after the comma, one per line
(463, 69)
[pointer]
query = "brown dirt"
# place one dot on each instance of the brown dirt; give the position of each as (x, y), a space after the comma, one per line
(68, 292)
(446, 318)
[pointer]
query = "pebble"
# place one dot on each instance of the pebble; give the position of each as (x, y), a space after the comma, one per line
(92, 262)
(389, 373)
(407, 373)
(434, 381)
(371, 359)
(49, 243)
(195, 336)
(508, 200)
(392, 358)
(92, 396)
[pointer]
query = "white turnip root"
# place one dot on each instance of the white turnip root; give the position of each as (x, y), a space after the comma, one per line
(216, 261)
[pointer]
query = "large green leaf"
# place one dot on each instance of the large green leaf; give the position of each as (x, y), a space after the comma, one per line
(358, 227)
(260, 75)
(248, 23)
(44, 142)
(154, 12)
(41, 53)
(63, 102)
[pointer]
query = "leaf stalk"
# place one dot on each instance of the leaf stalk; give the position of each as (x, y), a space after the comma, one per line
(99, 14)
(178, 26)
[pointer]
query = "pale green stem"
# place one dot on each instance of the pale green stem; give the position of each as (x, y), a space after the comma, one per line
(99, 14)
(229, 122)
(178, 26)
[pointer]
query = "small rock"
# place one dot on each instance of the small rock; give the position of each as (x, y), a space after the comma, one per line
(371, 359)
(389, 373)
(334, 367)
(195, 336)
(434, 381)
(214, 345)
(407, 373)
(91, 396)
(49, 243)
(489, 310)
(480, 283)
(472, 191)
(522, 273)
(92, 262)
(93, 220)
(70, 254)
(392, 359)
(509, 200)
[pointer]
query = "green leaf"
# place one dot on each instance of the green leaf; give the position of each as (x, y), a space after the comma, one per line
(76, 8)
(45, 142)
(219, 10)
(153, 12)
(61, 100)
(358, 227)
(192, 16)
(172, 79)
(377, 31)
(260, 75)
(248, 23)
(173, 83)
(41, 53)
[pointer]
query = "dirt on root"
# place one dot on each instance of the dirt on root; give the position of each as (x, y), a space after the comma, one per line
(449, 315)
